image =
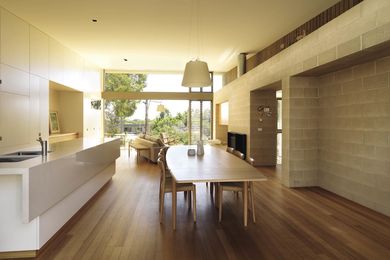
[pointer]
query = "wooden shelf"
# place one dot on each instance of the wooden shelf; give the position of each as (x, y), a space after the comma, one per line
(55, 138)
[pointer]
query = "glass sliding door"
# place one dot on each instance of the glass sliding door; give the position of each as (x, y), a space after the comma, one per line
(201, 121)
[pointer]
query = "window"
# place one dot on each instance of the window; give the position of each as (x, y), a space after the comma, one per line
(126, 116)
(224, 113)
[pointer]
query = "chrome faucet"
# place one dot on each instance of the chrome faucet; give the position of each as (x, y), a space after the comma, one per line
(43, 145)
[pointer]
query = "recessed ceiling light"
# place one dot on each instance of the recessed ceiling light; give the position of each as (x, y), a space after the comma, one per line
(94, 20)
(125, 59)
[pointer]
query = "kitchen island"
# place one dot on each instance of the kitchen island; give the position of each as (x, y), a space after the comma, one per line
(39, 195)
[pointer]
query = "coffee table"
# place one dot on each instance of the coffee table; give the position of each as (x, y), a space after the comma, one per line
(138, 148)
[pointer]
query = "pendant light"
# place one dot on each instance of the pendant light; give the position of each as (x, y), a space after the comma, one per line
(160, 108)
(196, 73)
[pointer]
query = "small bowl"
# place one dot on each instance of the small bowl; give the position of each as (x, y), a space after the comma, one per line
(191, 152)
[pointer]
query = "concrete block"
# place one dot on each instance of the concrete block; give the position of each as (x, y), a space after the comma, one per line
(310, 63)
(349, 47)
(311, 92)
(383, 65)
(383, 154)
(376, 109)
(352, 86)
(376, 138)
(377, 81)
(344, 75)
(327, 56)
(330, 90)
(364, 70)
(327, 79)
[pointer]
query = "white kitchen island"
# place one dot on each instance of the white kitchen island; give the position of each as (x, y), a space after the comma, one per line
(38, 196)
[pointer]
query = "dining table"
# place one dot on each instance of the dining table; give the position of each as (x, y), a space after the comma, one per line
(215, 165)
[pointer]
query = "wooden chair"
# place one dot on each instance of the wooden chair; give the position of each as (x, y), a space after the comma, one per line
(166, 187)
(162, 154)
(166, 140)
(212, 184)
(236, 187)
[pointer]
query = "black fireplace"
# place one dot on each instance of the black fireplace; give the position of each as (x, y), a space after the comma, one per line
(237, 141)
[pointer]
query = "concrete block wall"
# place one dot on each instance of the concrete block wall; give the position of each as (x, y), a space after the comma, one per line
(300, 131)
(365, 25)
(263, 142)
(354, 133)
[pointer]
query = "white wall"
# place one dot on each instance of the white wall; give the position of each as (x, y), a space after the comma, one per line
(29, 59)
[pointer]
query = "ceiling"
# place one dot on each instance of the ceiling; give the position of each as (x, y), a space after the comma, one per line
(162, 35)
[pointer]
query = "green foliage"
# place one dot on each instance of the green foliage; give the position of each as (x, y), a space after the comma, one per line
(174, 127)
(117, 110)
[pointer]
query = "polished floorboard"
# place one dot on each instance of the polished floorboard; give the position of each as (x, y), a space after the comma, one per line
(122, 222)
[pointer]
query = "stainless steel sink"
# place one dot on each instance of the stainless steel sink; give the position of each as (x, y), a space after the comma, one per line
(27, 153)
(15, 158)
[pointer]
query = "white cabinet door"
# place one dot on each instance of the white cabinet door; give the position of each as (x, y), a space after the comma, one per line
(56, 61)
(73, 69)
(39, 53)
(14, 118)
(14, 40)
(34, 122)
(44, 108)
(14, 80)
(39, 108)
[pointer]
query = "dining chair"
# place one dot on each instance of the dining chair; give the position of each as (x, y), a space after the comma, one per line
(236, 187)
(166, 187)
(214, 184)
(162, 154)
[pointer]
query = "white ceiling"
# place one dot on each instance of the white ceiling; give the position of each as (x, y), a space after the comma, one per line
(161, 35)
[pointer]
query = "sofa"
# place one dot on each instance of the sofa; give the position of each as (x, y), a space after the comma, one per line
(154, 144)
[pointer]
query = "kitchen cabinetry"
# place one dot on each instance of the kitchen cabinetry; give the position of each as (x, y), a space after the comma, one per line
(14, 118)
(14, 80)
(39, 53)
(39, 108)
(14, 41)
(56, 61)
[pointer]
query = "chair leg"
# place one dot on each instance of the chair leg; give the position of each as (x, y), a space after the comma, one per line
(220, 189)
(185, 194)
(189, 199)
(252, 203)
(194, 202)
(211, 188)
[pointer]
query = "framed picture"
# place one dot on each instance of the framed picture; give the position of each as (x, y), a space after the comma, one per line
(53, 122)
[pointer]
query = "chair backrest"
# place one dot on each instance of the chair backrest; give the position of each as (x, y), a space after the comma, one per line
(161, 164)
(162, 156)
(164, 150)
(164, 138)
(230, 149)
(239, 154)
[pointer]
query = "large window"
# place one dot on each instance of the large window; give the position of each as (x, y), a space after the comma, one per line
(185, 121)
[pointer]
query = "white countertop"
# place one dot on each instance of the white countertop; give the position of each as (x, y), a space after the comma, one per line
(58, 150)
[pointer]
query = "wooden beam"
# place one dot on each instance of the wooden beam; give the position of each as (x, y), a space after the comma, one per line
(110, 95)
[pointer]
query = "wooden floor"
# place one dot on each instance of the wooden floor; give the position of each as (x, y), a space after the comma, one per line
(308, 223)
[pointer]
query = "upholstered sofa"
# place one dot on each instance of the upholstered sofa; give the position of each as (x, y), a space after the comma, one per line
(155, 144)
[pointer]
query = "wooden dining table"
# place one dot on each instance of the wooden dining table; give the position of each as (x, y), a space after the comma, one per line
(216, 165)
